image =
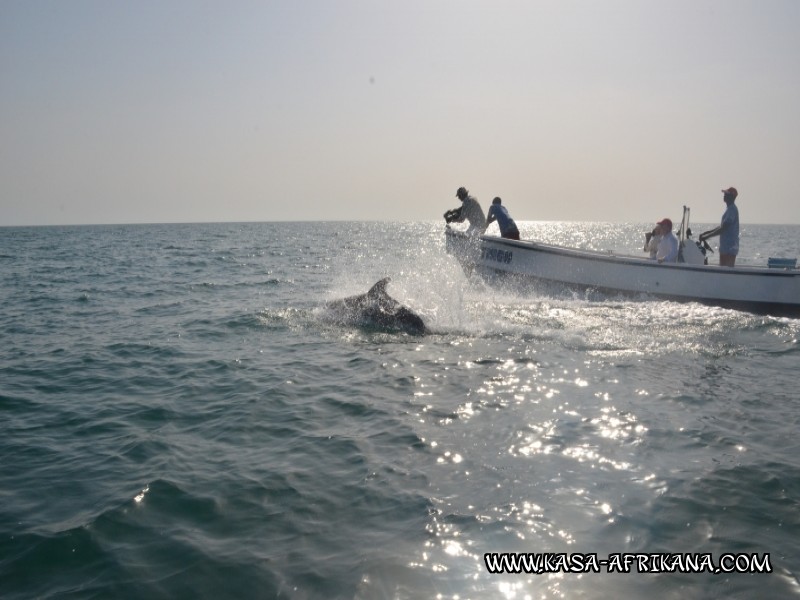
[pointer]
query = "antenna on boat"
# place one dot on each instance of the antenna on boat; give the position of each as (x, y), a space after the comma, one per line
(684, 229)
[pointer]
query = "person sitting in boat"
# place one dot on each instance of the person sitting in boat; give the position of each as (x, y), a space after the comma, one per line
(470, 211)
(668, 245)
(728, 230)
(499, 213)
(651, 240)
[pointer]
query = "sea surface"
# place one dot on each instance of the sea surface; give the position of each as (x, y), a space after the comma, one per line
(180, 417)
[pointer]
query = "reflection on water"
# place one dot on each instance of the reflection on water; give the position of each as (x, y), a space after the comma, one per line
(268, 453)
(561, 434)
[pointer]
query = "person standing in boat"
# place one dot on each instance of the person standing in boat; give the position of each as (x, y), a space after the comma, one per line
(728, 230)
(668, 244)
(499, 213)
(470, 211)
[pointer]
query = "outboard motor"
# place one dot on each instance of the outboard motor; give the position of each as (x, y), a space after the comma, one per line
(693, 253)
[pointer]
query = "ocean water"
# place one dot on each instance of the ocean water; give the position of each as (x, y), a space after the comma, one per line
(180, 418)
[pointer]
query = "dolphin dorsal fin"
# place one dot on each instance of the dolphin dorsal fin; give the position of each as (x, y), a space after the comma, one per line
(379, 289)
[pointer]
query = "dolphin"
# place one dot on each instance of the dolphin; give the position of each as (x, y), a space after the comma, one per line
(377, 309)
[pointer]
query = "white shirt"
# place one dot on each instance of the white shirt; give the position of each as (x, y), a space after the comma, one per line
(652, 246)
(667, 248)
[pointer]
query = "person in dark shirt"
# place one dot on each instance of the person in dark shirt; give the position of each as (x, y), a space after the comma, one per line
(499, 213)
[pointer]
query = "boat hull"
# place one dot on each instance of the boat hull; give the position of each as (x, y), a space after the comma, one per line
(755, 289)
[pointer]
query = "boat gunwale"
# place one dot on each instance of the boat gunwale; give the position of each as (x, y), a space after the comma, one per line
(627, 259)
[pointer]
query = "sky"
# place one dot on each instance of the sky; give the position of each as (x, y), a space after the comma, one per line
(159, 111)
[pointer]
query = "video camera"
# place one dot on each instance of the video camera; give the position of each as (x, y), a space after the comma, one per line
(452, 215)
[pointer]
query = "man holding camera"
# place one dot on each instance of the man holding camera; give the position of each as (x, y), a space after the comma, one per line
(470, 210)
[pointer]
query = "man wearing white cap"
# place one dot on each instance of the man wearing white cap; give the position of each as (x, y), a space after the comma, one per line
(728, 230)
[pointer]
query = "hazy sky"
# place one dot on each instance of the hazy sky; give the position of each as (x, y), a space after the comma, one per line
(595, 110)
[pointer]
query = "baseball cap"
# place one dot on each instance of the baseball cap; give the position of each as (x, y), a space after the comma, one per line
(667, 222)
(731, 191)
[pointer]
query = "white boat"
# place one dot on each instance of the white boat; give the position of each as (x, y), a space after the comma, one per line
(764, 290)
